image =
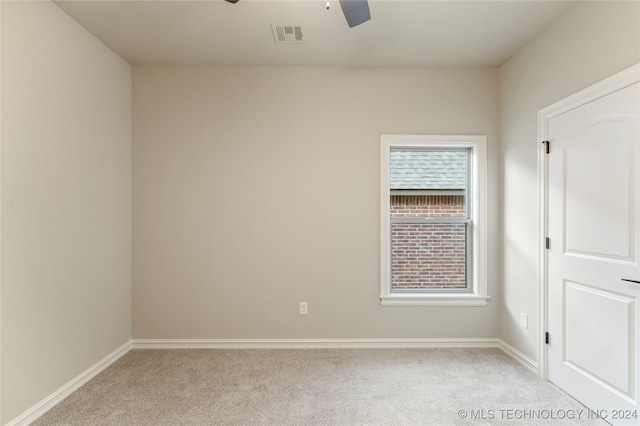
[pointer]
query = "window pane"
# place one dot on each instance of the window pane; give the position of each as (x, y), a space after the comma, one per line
(428, 182)
(428, 255)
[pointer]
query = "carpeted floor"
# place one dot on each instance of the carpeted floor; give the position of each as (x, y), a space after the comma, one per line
(318, 387)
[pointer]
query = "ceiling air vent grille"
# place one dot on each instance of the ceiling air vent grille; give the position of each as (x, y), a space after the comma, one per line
(287, 34)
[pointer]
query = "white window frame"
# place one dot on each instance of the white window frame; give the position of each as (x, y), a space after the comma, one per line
(476, 293)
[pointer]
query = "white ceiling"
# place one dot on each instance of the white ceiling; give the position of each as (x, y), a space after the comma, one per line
(400, 32)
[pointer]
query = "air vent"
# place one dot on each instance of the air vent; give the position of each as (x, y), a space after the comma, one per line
(287, 34)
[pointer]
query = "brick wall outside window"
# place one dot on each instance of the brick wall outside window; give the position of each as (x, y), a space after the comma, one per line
(428, 255)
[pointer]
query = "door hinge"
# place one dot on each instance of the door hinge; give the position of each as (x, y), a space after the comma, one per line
(547, 243)
(546, 143)
(546, 337)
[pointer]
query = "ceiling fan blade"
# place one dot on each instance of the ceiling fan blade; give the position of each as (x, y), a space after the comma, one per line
(356, 11)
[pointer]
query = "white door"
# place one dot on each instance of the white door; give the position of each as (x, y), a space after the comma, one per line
(593, 314)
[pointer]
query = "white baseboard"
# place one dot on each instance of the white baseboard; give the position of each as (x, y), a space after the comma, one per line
(313, 343)
(50, 401)
(519, 356)
(336, 343)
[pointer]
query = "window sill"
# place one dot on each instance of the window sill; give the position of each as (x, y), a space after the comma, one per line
(433, 300)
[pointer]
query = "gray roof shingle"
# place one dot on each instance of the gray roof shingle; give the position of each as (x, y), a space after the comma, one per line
(427, 169)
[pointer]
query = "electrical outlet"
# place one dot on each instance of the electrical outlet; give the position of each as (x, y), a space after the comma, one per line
(524, 320)
(303, 308)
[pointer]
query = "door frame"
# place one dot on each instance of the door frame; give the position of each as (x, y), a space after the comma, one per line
(598, 90)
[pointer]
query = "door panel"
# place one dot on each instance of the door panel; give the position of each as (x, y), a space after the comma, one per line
(593, 227)
(594, 319)
(597, 158)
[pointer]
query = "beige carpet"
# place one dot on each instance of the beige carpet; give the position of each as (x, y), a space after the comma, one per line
(317, 387)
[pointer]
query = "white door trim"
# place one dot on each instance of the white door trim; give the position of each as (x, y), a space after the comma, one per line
(607, 86)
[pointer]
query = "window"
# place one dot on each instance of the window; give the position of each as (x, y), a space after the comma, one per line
(433, 225)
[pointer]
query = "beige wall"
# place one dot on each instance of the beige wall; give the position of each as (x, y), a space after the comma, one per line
(66, 203)
(592, 41)
(257, 188)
